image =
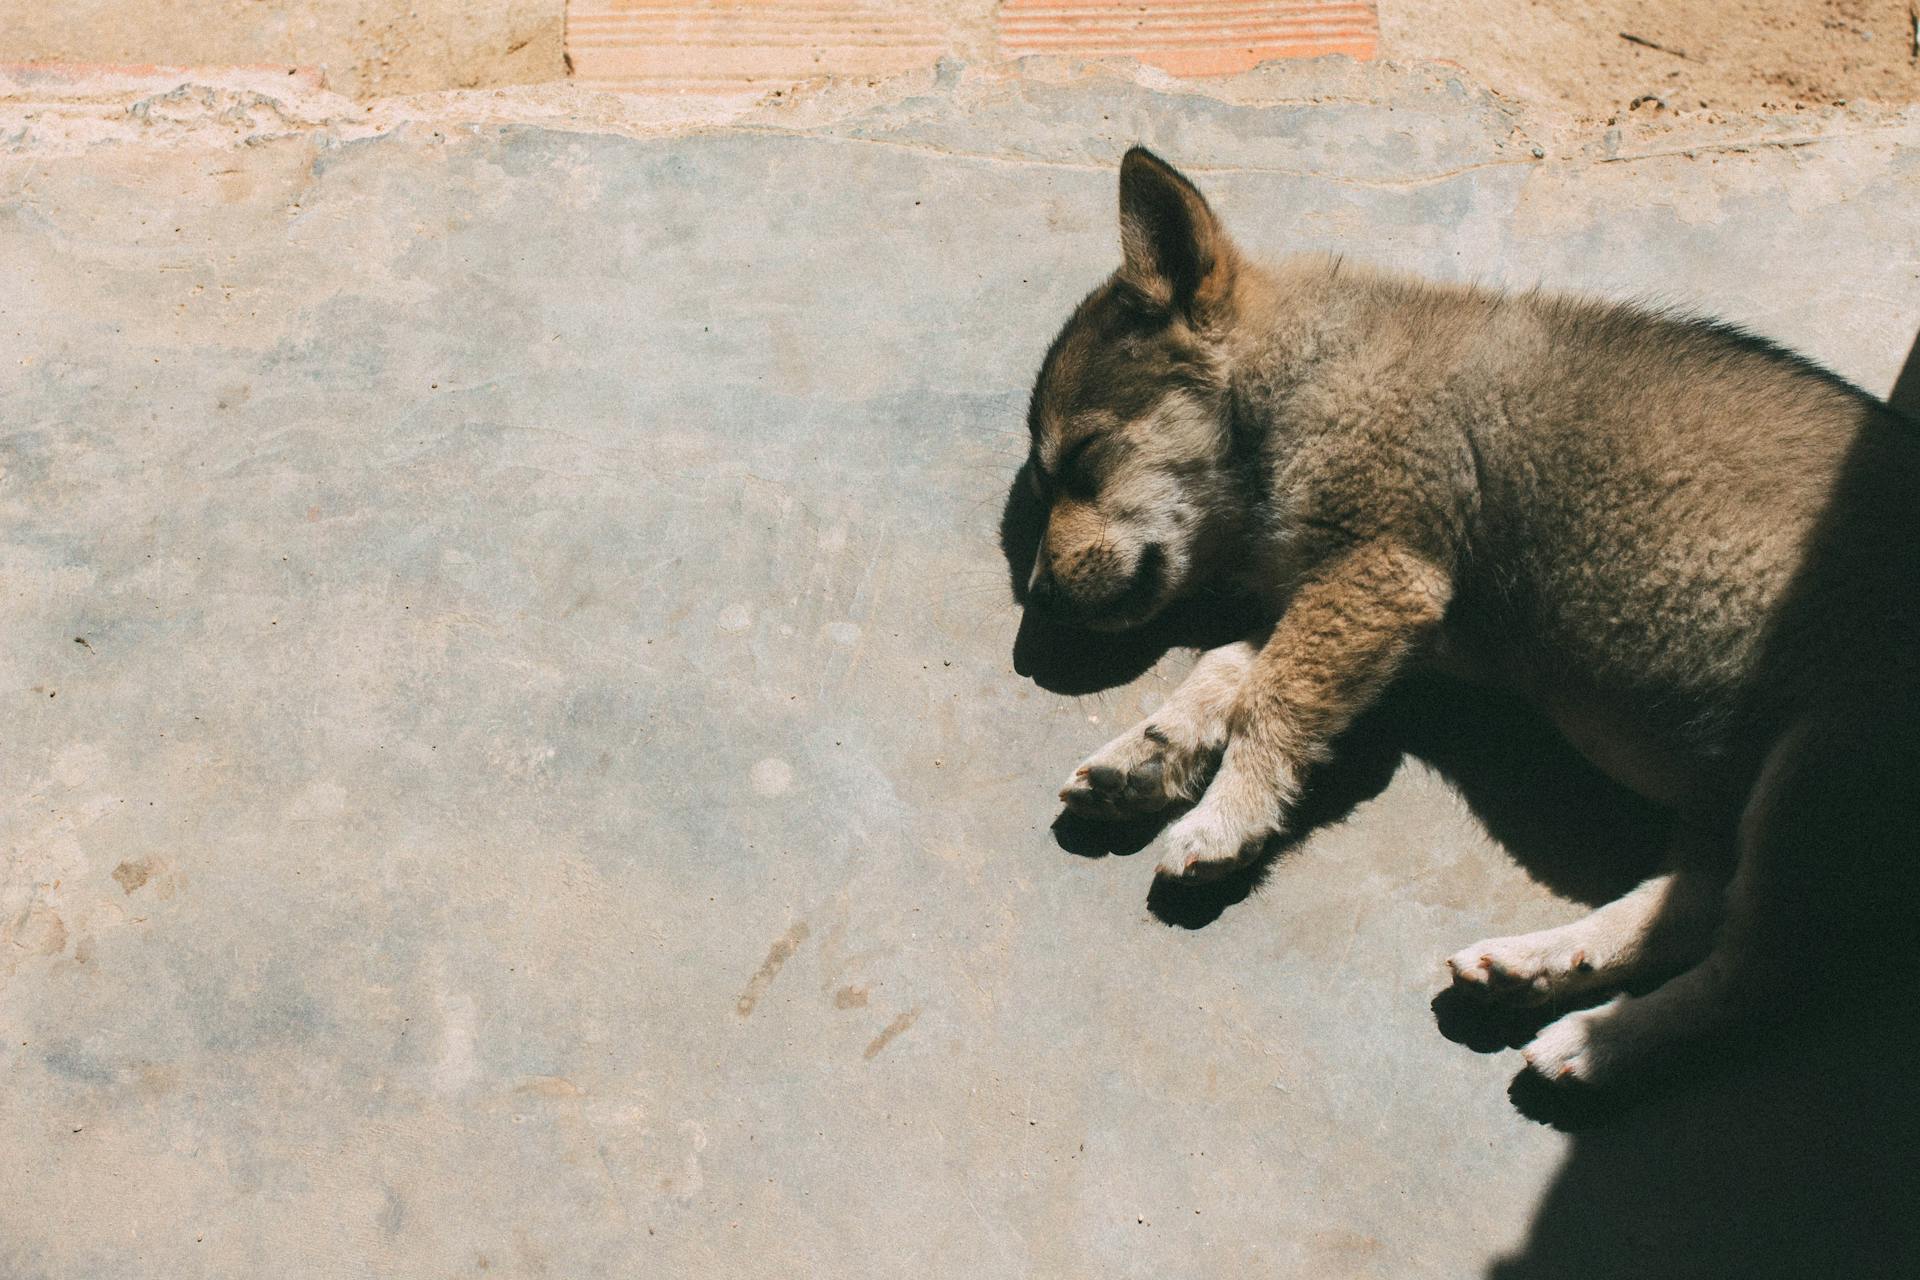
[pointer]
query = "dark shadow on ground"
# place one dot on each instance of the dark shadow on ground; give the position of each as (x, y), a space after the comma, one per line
(1091, 838)
(1073, 660)
(1488, 1026)
(1786, 1159)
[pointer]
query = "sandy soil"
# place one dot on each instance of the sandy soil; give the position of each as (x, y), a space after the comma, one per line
(367, 48)
(1714, 57)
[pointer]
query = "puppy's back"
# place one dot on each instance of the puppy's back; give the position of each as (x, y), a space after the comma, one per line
(1693, 519)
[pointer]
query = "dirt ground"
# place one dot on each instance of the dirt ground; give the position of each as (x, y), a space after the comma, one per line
(368, 48)
(1703, 59)
(1713, 57)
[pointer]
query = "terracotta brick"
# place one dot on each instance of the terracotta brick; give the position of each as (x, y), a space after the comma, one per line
(736, 46)
(1191, 37)
(733, 46)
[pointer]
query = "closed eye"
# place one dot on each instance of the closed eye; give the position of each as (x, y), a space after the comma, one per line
(1064, 472)
(1073, 472)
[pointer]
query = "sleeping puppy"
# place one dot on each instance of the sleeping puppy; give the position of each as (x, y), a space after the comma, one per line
(1697, 553)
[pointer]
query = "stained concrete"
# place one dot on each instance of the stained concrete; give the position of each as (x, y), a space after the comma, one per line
(514, 763)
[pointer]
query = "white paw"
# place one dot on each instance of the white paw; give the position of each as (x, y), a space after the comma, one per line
(1529, 968)
(1142, 771)
(1212, 841)
(1575, 1049)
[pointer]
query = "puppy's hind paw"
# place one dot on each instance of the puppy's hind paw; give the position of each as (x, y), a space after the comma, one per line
(1575, 1050)
(1528, 969)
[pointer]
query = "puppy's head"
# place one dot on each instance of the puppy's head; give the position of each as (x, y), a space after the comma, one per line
(1128, 478)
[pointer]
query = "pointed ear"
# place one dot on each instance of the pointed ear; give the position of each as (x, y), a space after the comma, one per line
(1174, 250)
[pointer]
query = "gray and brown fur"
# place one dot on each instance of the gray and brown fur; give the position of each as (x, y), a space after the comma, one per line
(1697, 553)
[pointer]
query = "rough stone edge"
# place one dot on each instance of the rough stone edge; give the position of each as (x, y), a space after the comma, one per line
(50, 110)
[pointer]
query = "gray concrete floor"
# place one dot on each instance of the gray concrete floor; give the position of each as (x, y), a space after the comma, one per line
(514, 763)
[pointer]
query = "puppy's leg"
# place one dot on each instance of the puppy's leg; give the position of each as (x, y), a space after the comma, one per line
(1601, 1044)
(1827, 872)
(1167, 756)
(1664, 924)
(1347, 631)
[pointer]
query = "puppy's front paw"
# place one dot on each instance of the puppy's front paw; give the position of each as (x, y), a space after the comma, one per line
(1223, 834)
(1143, 770)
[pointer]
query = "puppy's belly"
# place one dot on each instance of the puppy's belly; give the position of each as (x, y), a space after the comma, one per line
(1615, 741)
(1632, 754)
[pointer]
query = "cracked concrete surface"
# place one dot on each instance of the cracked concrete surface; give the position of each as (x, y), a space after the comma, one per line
(513, 759)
